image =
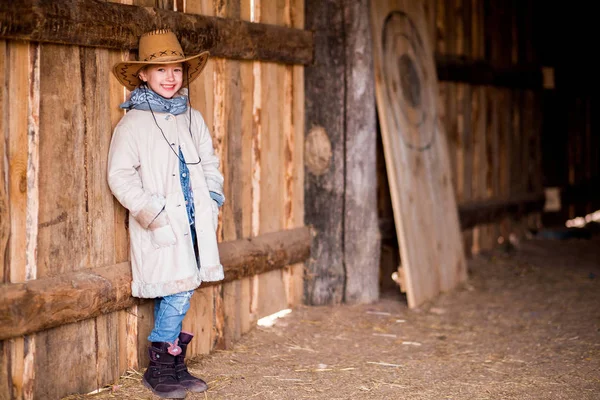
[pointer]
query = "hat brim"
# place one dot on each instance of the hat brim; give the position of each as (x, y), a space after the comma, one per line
(126, 72)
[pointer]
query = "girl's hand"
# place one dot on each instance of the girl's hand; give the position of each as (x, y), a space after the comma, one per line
(161, 232)
(215, 213)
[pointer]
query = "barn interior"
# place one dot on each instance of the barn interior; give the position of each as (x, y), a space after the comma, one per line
(362, 258)
(519, 55)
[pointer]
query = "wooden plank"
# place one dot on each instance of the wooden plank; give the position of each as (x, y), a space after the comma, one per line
(297, 13)
(246, 322)
(465, 124)
(118, 26)
(18, 158)
(504, 147)
(199, 321)
(493, 210)
(63, 214)
(245, 179)
(475, 71)
(450, 94)
(62, 164)
(127, 319)
(272, 146)
(255, 161)
(5, 377)
(324, 180)
(128, 357)
(362, 246)
(4, 199)
(295, 160)
(519, 227)
(230, 130)
(97, 130)
(5, 364)
(275, 84)
(228, 120)
(479, 123)
(416, 152)
(143, 326)
(99, 200)
(232, 305)
(430, 17)
(23, 183)
(505, 39)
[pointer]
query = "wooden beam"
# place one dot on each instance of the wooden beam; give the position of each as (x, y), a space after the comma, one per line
(478, 72)
(481, 212)
(579, 193)
(486, 211)
(118, 26)
(45, 303)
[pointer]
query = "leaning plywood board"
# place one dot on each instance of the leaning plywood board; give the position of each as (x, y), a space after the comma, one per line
(415, 150)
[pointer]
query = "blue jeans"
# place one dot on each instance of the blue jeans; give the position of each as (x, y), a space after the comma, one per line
(169, 312)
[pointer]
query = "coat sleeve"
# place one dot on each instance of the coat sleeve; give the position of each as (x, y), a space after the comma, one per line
(209, 160)
(125, 181)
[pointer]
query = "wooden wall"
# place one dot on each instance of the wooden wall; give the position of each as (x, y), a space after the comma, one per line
(490, 101)
(58, 107)
(491, 97)
(571, 139)
(571, 148)
(493, 131)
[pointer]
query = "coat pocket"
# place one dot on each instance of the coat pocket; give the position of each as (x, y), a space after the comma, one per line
(163, 237)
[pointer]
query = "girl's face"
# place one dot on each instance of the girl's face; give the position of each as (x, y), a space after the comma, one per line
(165, 80)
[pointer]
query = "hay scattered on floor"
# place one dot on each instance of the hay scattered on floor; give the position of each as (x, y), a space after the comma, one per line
(526, 325)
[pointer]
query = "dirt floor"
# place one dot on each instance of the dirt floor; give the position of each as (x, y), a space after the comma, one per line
(525, 326)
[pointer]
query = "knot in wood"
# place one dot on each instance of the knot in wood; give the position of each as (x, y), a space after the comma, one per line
(317, 149)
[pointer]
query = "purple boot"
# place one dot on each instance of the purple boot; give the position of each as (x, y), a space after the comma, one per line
(160, 376)
(186, 379)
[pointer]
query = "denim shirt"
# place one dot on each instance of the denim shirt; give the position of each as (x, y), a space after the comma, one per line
(188, 194)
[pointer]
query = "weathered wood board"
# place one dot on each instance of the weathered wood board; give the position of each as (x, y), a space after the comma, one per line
(415, 151)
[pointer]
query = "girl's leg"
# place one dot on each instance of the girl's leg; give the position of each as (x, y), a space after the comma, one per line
(169, 312)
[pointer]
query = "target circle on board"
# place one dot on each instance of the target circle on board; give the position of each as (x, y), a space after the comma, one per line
(406, 81)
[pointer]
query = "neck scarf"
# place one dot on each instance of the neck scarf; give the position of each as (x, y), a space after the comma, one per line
(144, 98)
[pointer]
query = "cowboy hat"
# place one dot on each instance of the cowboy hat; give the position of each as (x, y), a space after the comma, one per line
(158, 47)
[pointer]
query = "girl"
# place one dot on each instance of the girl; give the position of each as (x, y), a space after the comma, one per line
(162, 168)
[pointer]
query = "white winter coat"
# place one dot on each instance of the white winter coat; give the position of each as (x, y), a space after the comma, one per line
(143, 174)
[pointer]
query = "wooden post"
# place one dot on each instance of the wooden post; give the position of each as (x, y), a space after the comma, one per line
(340, 180)
(362, 244)
(324, 159)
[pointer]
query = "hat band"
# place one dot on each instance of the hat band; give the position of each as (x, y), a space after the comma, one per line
(164, 55)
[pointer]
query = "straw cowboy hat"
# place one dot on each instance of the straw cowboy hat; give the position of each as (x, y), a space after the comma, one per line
(159, 47)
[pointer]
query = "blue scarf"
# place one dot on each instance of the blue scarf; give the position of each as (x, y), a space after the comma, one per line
(142, 98)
